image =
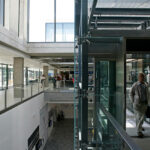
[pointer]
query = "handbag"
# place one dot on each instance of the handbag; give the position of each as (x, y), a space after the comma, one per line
(148, 112)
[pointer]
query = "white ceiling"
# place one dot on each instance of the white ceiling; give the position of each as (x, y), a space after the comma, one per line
(7, 55)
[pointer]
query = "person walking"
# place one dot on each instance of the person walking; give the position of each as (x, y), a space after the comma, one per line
(58, 81)
(139, 96)
(43, 80)
(54, 82)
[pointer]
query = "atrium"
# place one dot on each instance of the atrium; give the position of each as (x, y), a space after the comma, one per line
(74, 74)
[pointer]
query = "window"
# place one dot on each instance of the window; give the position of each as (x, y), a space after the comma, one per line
(49, 34)
(1, 12)
(51, 21)
(41, 12)
(64, 32)
(64, 20)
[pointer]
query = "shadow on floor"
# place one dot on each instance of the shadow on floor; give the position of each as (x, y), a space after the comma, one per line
(62, 136)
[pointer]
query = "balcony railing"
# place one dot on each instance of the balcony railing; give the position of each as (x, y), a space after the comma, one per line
(18, 94)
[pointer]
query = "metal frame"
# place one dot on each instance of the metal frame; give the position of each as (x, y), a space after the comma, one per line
(105, 17)
(92, 10)
(122, 11)
(120, 18)
(108, 43)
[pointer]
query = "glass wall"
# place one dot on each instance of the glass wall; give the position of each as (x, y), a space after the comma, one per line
(64, 20)
(41, 12)
(10, 75)
(1, 12)
(6, 76)
(31, 75)
(51, 21)
(3, 76)
(135, 64)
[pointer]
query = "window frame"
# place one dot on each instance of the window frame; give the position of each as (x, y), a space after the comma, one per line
(55, 23)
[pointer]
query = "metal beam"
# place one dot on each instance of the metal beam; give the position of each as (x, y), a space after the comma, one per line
(102, 39)
(92, 10)
(119, 18)
(84, 75)
(122, 11)
(115, 25)
(122, 33)
(77, 16)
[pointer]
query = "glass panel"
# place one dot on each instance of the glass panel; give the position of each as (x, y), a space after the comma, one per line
(27, 92)
(41, 12)
(1, 77)
(64, 11)
(135, 64)
(4, 77)
(64, 32)
(108, 137)
(35, 88)
(1, 12)
(2, 99)
(49, 32)
(104, 83)
(10, 75)
(14, 95)
(64, 20)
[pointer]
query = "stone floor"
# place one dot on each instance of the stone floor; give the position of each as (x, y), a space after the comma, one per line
(143, 143)
(61, 137)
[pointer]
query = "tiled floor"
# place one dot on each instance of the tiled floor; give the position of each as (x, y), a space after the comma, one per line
(62, 136)
(143, 143)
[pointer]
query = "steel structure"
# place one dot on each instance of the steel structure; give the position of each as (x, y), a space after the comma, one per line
(100, 34)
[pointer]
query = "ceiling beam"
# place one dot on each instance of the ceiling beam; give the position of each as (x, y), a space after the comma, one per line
(92, 9)
(122, 11)
(119, 18)
(122, 33)
(115, 25)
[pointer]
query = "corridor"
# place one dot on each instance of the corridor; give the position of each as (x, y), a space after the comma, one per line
(62, 136)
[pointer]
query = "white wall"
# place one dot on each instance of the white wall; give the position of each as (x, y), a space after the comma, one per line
(18, 124)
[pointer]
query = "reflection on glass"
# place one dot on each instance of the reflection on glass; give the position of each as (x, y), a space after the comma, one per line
(49, 37)
(135, 64)
(64, 32)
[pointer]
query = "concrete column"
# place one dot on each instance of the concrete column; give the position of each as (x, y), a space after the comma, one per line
(18, 77)
(45, 72)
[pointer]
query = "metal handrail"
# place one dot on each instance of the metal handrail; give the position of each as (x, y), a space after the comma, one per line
(127, 139)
